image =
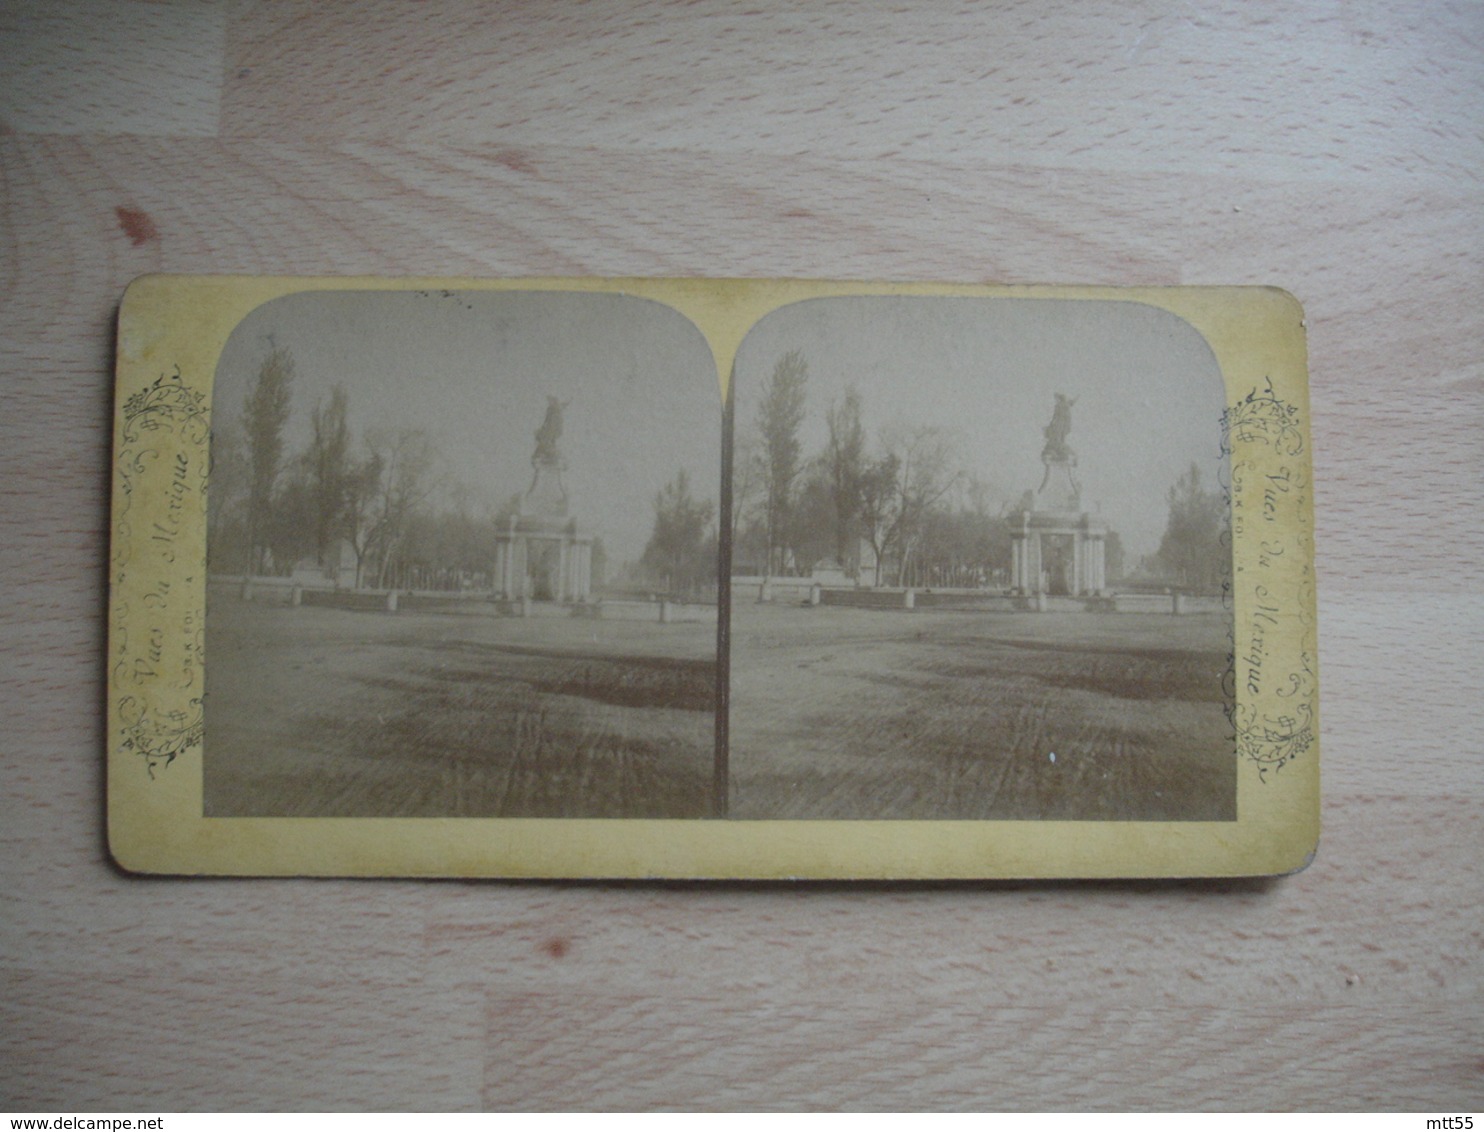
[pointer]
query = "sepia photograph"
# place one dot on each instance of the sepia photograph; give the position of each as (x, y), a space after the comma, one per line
(980, 564)
(710, 578)
(462, 558)
(466, 556)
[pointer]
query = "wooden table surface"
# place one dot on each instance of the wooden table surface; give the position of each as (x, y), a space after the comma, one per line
(1332, 149)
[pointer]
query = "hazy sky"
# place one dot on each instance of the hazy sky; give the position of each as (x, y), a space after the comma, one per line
(474, 370)
(1148, 390)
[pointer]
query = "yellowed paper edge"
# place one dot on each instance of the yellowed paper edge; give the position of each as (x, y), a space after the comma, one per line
(171, 333)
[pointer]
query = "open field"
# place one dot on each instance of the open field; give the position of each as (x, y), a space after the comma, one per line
(333, 712)
(856, 713)
(835, 713)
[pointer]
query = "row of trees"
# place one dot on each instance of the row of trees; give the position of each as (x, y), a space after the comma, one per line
(383, 501)
(903, 495)
(1195, 552)
(903, 501)
(381, 498)
(897, 508)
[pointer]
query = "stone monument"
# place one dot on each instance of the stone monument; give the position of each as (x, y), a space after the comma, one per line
(540, 553)
(1057, 548)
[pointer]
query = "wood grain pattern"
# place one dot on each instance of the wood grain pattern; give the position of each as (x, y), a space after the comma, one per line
(1334, 152)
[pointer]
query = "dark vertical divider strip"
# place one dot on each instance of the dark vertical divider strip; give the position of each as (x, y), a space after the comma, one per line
(721, 773)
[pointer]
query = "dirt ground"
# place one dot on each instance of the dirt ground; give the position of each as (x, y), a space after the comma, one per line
(334, 712)
(856, 713)
(835, 713)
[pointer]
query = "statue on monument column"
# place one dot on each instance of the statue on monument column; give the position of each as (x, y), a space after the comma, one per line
(547, 495)
(1056, 432)
(549, 432)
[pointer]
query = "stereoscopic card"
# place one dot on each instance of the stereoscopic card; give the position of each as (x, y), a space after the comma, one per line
(727, 579)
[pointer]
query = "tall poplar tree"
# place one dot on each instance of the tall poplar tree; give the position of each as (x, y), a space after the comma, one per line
(328, 464)
(265, 414)
(845, 461)
(779, 416)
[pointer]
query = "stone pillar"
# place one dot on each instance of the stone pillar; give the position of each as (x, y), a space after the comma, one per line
(391, 601)
(1077, 587)
(1017, 562)
(816, 592)
(296, 595)
(563, 559)
(909, 600)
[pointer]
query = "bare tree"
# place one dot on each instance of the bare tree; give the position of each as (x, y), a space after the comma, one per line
(362, 509)
(406, 466)
(925, 457)
(879, 495)
(383, 492)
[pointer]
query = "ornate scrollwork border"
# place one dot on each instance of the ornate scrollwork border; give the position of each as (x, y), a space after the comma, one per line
(161, 478)
(1274, 713)
(1262, 417)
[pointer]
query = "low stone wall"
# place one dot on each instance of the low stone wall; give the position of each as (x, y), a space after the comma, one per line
(1167, 603)
(864, 599)
(755, 588)
(969, 600)
(269, 591)
(369, 601)
(664, 612)
(797, 591)
(431, 601)
(984, 602)
(285, 591)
